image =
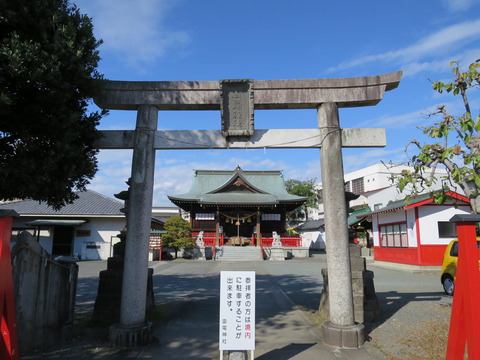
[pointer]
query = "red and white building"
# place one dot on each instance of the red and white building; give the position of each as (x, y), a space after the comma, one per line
(416, 233)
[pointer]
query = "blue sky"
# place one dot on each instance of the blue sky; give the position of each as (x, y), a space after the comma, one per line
(157, 40)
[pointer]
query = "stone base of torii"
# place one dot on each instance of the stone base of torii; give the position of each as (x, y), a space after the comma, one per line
(237, 99)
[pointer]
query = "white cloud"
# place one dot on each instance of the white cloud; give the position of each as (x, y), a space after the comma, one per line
(361, 159)
(135, 31)
(403, 121)
(458, 5)
(443, 41)
(420, 117)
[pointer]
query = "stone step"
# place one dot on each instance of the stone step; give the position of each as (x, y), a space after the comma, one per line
(237, 253)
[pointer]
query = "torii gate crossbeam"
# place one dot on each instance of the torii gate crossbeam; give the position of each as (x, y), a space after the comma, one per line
(325, 95)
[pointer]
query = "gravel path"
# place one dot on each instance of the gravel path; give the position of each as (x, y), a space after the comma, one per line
(408, 301)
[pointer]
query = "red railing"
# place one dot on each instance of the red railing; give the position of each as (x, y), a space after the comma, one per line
(292, 241)
(209, 241)
(266, 241)
(289, 241)
(208, 238)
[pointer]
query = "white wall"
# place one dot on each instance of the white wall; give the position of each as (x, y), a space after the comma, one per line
(430, 216)
(101, 232)
(375, 176)
(313, 239)
(383, 197)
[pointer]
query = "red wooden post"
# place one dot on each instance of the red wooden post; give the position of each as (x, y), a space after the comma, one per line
(465, 318)
(8, 338)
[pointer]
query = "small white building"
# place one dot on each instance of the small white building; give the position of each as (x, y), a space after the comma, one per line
(86, 229)
(416, 233)
(312, 234)
(163, 213)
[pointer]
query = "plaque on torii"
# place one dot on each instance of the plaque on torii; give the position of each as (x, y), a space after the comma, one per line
(237, 100)
(236, 107)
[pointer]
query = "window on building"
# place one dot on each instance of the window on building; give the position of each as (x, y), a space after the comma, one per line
(208, 216)
(394, 235)
(358, 186)
(377, 207)
(271, 217)
(447, 229)
(347, 186)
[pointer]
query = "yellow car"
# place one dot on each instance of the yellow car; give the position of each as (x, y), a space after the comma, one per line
(449, 266)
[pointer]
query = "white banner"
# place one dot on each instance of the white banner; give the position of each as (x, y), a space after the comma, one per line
(237, 310)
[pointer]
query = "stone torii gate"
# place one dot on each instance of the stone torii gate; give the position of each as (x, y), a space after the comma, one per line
(237, 100)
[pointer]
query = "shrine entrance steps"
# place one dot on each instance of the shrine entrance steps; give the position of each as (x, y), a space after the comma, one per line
(240, 253)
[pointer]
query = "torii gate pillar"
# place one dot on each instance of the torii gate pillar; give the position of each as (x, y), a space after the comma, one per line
(132, 329)
(341, 331)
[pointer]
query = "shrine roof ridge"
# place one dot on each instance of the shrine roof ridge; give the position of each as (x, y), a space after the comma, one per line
(228, 172)
(269, 185)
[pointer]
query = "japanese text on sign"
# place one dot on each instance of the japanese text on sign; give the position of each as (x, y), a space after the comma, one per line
(237, 310)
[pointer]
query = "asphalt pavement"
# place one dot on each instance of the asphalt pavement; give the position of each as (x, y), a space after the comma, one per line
(284, 290)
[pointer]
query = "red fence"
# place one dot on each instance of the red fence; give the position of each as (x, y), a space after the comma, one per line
(286, 241)
(208, 238)
(266, 240)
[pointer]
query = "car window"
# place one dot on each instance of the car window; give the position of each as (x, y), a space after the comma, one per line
(454, 249)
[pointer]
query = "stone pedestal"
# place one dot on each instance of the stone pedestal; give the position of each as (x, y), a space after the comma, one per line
(277, 254)
(236, 355)
(348, 337)
(131, 337)
(198, 253)
(364, 298)
(108, 301)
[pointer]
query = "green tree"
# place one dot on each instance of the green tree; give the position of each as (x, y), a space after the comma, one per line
(458, 148)
(178, 234)
(304, 188)
(48, 74)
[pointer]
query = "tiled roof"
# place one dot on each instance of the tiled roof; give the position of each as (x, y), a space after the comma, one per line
(88, 203)
(207, 184)
(419, 200)
(311, 225)
(355, 218)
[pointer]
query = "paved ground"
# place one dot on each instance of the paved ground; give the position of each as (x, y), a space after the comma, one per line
(190, 291)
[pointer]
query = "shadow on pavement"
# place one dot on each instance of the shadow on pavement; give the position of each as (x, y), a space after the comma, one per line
(285, 353)
(391, 302)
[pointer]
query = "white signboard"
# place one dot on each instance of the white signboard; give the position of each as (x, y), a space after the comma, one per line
(237, 310)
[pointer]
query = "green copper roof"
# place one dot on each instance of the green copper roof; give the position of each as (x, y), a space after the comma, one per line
(215, 187)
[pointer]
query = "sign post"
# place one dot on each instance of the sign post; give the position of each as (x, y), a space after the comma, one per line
(237, 312)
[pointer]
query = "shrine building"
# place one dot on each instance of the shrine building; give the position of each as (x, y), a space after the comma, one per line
(238, 207)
